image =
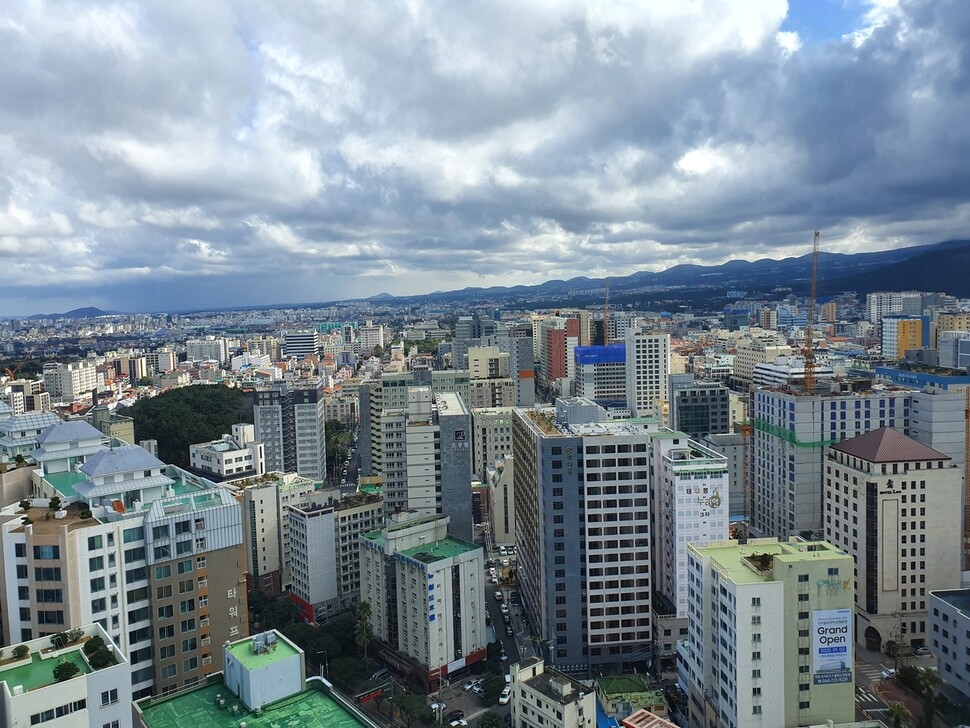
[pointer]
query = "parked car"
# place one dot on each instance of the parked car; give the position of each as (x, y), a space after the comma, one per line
(478, 690)
(509, 631)
(504, 656)
(459, 722)
(888, 674)
(505, 697)
(470, 684)
(456, 715)
(498, 596)
(922, 651)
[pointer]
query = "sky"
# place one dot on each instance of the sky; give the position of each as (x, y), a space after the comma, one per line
(174, 155)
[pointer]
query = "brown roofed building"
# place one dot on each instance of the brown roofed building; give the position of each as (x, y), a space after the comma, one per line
(895, 505)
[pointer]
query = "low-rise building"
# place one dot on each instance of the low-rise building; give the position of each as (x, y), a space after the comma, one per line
(546, 698)
(233, 456)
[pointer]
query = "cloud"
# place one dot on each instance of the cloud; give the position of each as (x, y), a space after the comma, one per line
(166, 154)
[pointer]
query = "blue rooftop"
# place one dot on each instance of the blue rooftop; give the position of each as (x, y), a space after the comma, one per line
(125, 459)
(70, 431)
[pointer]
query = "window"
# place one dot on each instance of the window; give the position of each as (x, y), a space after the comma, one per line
(163, 572)
(20, 550)
(47, 573)
(94, 543)
(134, 534)
(166, 612)
(183, 547)
(163, 552)
(188, 625)
(190, 664)
(169, 671)
(182, 527)
(109, 697)
(135, 554)
(185, 567)
(99, 605)
(190, 645)
(96, 563)
(186, 586)
(48, 553)
(160, 531)
(163, 592)
(97, 584)
(187, 606)
(167, 632)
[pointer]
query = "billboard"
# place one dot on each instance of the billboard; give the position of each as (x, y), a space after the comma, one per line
(832, 646)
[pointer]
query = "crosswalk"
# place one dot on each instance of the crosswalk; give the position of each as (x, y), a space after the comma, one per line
(868, 673)
(862, 695)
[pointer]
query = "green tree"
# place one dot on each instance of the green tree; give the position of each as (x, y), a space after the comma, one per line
(363, 631)
(338, 438)
(272, 612)
(490, 720)
(927, 681)
(348, 673)
(414, 707)
(65, 671)
(180, 417)
(20, 460)
(493, 688)
(145, 382)
(378, 351)
(899, 715)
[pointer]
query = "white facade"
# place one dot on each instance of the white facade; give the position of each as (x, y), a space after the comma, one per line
(545, 698)
(948, 635)
(690, 495)
(889, 302)
(491, 438)
(96, 698)
(210, 348)
(67, 382)
(647, 371)
(753, 657)
(232, 456)
(418, 580)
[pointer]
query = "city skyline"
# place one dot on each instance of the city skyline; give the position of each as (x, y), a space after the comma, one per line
(175, 157)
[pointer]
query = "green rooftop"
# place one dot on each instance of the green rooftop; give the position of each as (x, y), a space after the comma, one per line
(64, 483)
(309, 709)
(444, 549)
(243, 652)
(620, 684)
(39, 673)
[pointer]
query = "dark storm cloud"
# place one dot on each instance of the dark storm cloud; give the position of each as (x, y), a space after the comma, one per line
(224, 153)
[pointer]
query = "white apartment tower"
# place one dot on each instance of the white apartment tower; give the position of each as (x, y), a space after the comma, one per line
(427, 594)
(769, 635)
(892, 504)
(647, 371)
(67, 382)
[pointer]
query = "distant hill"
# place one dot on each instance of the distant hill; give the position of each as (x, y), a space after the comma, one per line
(77, 313)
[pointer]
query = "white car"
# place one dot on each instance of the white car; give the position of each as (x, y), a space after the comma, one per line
(470, 684)
(505, 697)
(459, 722)
(888, 674)
(498, 596)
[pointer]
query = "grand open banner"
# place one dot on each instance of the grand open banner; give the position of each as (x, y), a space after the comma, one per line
(832, 646)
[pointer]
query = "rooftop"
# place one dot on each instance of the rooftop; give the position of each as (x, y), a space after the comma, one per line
(309, 709)
(242, 651)
(64, 483)
(446, 548)
(44, 522)
(39, 673)
(887, 445)
(959, 598)
(123, 459)
(620, 684)
(754, 561)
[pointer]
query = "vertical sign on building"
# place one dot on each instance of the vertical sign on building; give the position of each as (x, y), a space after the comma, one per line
(832, 646)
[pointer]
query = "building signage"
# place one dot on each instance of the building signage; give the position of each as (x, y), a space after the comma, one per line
(832, 646)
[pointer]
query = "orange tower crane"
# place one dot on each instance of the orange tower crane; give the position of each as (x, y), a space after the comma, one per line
(809, 352)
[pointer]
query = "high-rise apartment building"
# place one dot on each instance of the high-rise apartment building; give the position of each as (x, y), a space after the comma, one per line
(889, 503)
(769, 635)
(582, 512)
(290, 421)
(792, 431)
(647, 370)
(883, 303)
(300, 344)
(266, 538)
(490, 381)
(601, 373)
(324, 550)
(491, 437)
(147, 551)
(427, 458)
(732, 446)
(901, 333)
(699, 408)
(67, 382)
(558, 339)
(427, 595)
(211, 348)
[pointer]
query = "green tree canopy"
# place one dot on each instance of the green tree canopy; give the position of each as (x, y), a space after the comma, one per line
(414, 707)
(187, 415)
(490, 720)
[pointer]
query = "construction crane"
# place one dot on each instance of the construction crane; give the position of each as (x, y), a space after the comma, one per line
(12, 373)
(809, 352)
(606, 315)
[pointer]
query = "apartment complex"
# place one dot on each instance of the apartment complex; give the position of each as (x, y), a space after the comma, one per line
(324, 550)
(769, 635)
(427, 594)
(149, 552)
(290, 422)
(899, 334)
(889, 503)
(582, 510)
(67, 382)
